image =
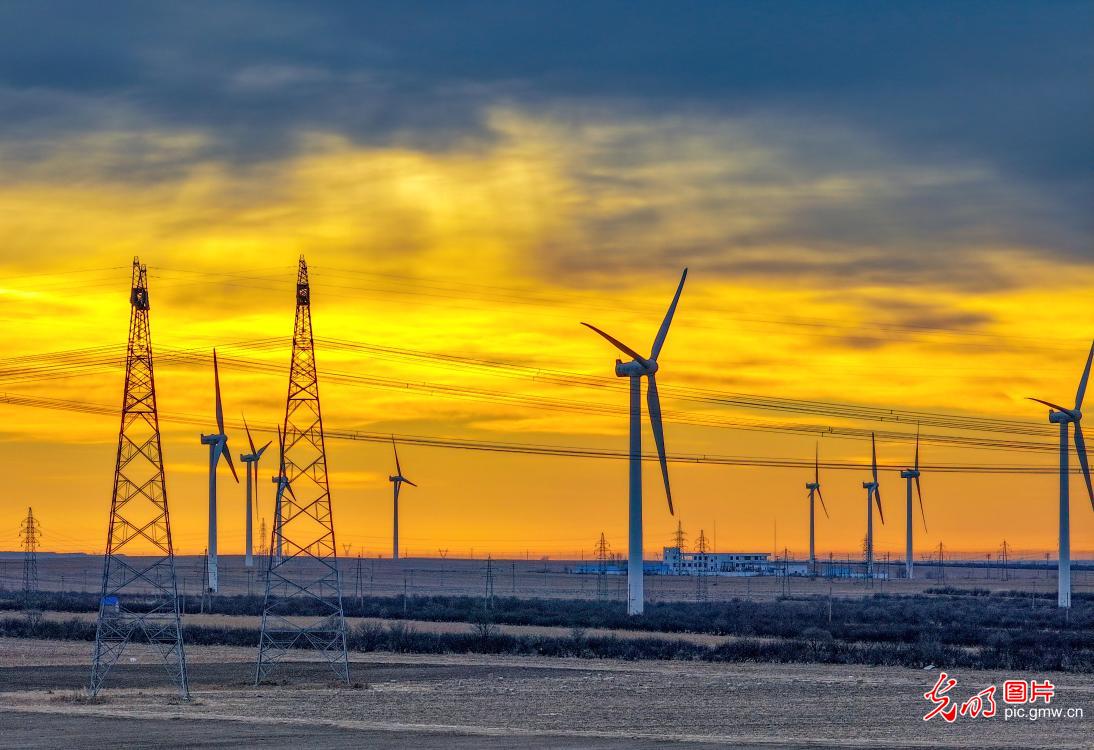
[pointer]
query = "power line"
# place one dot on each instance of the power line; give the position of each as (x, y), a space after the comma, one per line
(427, 441)
(813, 408)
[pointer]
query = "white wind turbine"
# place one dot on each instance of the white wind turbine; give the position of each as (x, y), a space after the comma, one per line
(250, 461)
(218, 446)
(1064, 417)
(909, 475)
(396, 482)
(814, 488)
(640, 367)
(872, 493)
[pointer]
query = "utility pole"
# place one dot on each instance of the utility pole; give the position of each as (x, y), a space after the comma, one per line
(941, 563)
(307, 562)
(1005, 557)
(30, 532)
(138, 513)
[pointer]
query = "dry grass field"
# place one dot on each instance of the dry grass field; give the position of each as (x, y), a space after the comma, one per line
(548, 579)
(472, 701)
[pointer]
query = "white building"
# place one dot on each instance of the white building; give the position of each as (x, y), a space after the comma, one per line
(677, 562)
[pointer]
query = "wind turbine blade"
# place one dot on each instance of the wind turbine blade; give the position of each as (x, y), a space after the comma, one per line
(262, 449)
(663, 332)
(618, 344)
(816, 466)
(873, 454)
(248, 429)
(917, 448)
(653, 405)
(877, 496)
(1082, 383)
(398, 469)
(409, 482)
(1050, 405)
(1080, 448)
(821, 496)
(216, 382)
(228, 457)
(922, 513)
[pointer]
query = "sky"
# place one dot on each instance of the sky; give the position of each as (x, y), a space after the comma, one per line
(882, 205)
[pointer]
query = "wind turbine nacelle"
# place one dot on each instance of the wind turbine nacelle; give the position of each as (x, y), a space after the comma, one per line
(1056, 417)
(634, 368)
(812, 486)
(394, 479)
(869, 485)
(909, 474)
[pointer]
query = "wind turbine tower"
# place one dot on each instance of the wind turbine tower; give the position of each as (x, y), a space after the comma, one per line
(250, 463)
(909, 475)
(218, 446)
(283, 486)
(872, 494)
(1063, 417)
(396, 483)
(814, 488)
(637, 368)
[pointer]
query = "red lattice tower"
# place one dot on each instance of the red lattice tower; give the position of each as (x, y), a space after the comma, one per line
(139, 593)
(302, 572)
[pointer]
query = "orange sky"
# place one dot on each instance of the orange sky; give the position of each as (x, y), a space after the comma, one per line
(452, 254)
(457, 253)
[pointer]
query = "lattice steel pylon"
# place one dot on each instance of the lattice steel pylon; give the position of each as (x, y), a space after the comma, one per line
(302, 575)
(603, 552)
(139, 593)
(29, 532)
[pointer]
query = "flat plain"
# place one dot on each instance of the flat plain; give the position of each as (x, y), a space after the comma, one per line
(466, 701)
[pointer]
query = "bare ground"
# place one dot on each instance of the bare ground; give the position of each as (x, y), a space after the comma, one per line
(488, 701)
(544, 579)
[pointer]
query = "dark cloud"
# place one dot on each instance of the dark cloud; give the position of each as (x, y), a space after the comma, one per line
(1002, 84)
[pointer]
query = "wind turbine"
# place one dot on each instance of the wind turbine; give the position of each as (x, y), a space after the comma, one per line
(640, 367)
(909, 475)
(218, 446)
(250, 461)
(1064, 417)
(872, 493)
(814, 487)
(396, 482)
(283, 484)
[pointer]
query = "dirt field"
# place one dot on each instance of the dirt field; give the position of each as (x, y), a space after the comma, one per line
(544, 579)
(484, 701)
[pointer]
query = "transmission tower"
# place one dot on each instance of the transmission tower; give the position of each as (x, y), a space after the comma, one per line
(488, 594)
(603, 555)
(303, 574)
(701, 591)
(139, 592)
(1005, 559)
(30, 532)
(679, 537)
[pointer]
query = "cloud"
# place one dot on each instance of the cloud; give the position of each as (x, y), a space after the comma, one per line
(1002, 83)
